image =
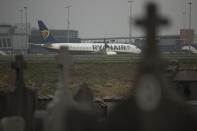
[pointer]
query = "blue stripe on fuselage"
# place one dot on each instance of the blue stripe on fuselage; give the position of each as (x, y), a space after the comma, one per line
(81, 52)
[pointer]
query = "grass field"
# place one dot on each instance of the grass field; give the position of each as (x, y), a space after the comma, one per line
(105, 78)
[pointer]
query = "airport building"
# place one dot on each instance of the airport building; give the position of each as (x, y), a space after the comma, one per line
(60, 35)
(173, 43)
(13, 39)
(169, 43)
(195, 39)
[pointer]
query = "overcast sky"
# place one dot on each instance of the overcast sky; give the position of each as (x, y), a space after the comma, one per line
(96, 18)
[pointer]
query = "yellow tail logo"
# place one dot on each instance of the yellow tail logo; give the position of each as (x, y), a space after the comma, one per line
(45, 34)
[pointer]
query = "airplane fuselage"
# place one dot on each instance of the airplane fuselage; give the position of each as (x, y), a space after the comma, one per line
(84, 48)
(94, 47)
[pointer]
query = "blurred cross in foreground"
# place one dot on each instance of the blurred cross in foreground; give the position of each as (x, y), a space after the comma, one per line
(150, 79)
(151, 24)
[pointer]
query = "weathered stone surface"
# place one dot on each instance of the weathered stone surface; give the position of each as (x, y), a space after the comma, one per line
(13, 124)
(63, 100)
(21, 101)
(186, 76)
(152, 106)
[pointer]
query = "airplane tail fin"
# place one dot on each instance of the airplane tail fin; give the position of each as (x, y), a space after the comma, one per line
(45, 33)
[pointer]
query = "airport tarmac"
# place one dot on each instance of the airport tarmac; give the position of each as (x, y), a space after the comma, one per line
(94, 57)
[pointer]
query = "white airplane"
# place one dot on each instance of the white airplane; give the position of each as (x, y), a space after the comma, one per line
(84, 48)
(191, 48)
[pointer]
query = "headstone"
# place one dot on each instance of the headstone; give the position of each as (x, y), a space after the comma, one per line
(84, 95)
(39, 116)
(68, 112)
(86, 115)
(185, 82)
(153, 106)
(63, 100)
(13, 124)
(88, 103)
(21, 101)
(43, 101)
(19, 66)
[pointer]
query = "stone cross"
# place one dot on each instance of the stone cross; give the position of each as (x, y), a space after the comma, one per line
(21, 101)
(63, 60)
(13, 124)
(151, 61)
(65, 112)
(19, 66)
(63, 100)
(152, 106)
(151, 24)
(150, 79)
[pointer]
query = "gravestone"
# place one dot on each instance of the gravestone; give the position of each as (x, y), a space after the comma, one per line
(85, 99)
(152, 106)
(21, 101)
(68, 112)
(150, 75)
(12, 124)
(186, 83)
(63, 100)
(39, 116)
(84, 95)
(86, 115)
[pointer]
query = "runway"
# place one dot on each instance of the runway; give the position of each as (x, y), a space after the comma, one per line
(92, 58)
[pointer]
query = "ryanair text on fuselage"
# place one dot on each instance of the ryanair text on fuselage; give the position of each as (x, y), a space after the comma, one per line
(111, 47)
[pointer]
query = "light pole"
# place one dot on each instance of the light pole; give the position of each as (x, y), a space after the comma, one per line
(190, 17)
(190, 13)
(26, 31)
(183, 13)
(21, 23)
(21, 16)
(130, 21)
(68, 23)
